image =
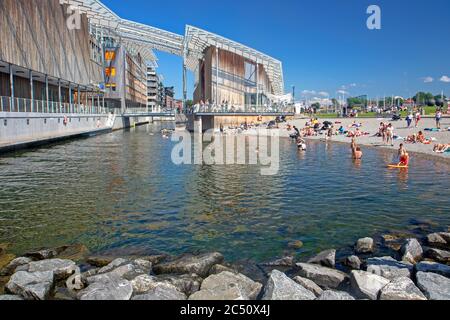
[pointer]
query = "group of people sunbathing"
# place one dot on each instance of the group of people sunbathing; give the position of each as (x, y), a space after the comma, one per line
(417, 138)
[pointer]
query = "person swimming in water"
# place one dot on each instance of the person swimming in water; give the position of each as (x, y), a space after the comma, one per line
(356, 150)
(403, 156)
(301, 144)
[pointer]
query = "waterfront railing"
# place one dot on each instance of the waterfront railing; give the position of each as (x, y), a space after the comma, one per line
(227, 109)
(9, 104)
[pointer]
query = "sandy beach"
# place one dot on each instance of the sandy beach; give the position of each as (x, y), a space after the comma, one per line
(400, 129)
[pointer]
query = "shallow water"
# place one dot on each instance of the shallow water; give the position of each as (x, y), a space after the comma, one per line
(121, 192)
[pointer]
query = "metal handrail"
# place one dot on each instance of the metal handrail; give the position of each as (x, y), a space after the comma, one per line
(9, 104)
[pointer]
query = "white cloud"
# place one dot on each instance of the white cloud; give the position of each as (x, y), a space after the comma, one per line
(428, 79)
(308, 92)
(352, 85)
(342, 92)
(445, 79)
(323, 94)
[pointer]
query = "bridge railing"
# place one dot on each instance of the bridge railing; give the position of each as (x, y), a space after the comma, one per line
(149, 111)
(9, 104)
(240, 109)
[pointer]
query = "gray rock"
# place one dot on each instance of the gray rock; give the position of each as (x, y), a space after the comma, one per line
(162, 291)
(288, 261)
(109, 287)
(143, 283)
(309, 285)
(325, 258)
(280, 287)
(75, 282)
(227, 286)
(367, 285)
(31, 286)
(187, 284)
(439, 255)
(401, 289)
(99, 261)
(10, 297)
(389, 268)
(433, 285)
(412, 251)
(189, 264)
(113, 265)
(364, 245)
(427, 266)
(353, 262)
(335, 295)
(218, 268)
(62, 269)
(439, 240)
(13, 265)
(324, 277)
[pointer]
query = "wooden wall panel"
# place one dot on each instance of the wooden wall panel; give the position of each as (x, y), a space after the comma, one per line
(34, 34)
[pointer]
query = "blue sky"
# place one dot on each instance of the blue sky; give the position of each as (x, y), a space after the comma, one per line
(324, 45)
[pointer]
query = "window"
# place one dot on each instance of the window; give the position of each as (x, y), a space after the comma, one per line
(110, 72)
(110, 55)
(250, 72)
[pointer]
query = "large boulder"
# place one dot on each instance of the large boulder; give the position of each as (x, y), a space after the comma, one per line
(113, 265)
(427, 266)
(31, 286)
(439, 255)
(124, 269)
(62, 269)
(107, 287)
(186, 283)
(439, 240)
(364, 245)
(161, 291)
(287, 261)
(281, 287)
(335, 295)
(325, 258)
(367, 285)
(10, 297)
(219, 268)
(433, 285)
(353, 262)
(189, 264)
(402, 288)
(143, 283)
(309, 284)
(227, 286)
(389, 268)
(99, 261)
(42, 254)
(324, 277)
(412, 251)
(14, 264)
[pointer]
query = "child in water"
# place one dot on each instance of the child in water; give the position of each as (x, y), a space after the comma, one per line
(356, 151)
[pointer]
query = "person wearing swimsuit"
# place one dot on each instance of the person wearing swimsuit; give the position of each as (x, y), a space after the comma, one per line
(356, 151)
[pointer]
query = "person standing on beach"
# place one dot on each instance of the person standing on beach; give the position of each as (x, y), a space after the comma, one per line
(390, 134)
(438, 117)
(409, 119)
(417, 118)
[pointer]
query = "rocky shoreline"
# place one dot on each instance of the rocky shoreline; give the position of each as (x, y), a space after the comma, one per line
(418, 270)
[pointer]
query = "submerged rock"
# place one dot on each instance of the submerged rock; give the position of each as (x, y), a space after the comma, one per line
(297, 244)
(427, 266)
(439, 255)
(367, 285)
(433, 285)
(389, 268)
(6, 259)
(99, 261)
(31, 286)
(364, 245)
(280, 287)
(335, 295)
(75, 252)
(309, 285)
(42, 254)
(401, 289)
(412, 251)
(14, 264)
(322, 276)
(325, 258)
(161, 291)
(218, 268)
(227, 286)
(108, 287)
(353, 262)
(189, 264)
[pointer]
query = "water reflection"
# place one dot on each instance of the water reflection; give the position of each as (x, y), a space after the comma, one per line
(121, 192)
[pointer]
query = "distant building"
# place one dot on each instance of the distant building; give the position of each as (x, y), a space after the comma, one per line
(169, 93)
(152, 88)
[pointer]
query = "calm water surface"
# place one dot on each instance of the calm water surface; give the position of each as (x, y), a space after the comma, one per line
(121, 192)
